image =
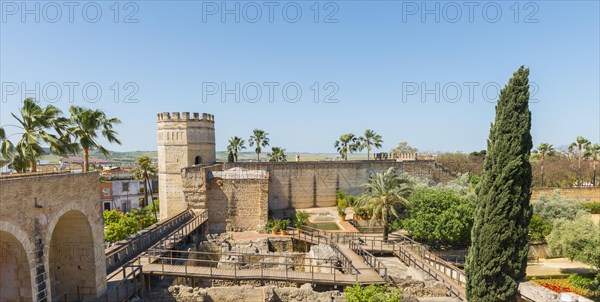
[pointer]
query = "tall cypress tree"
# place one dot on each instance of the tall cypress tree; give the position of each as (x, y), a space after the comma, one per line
(498, 254)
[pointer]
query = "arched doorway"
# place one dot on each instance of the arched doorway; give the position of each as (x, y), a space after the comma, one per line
(15, 277)
(72, 267)
(197, 160)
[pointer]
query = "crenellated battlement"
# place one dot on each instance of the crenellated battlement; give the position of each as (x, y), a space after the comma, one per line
(184, 116)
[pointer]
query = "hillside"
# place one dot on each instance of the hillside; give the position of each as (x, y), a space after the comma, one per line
(131, 156)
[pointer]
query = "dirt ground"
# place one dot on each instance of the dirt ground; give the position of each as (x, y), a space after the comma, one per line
(557, 266)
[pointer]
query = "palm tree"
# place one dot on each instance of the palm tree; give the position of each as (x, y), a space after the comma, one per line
(6, 147)
(370, 138)
(7, 150)
(260, 139)
(277, 155)
(35, 122)
(386, 191)
(236, 144)
(593, 153)
(85, 125)
(544, 149)
(580, 144)
(146, 171)
(347, 143)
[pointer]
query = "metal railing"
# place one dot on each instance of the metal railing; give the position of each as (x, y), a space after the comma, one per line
(415, 254)
(307, 234)
(122, 252)
(370, 259)
(131, 283)
(175, 237)
(179, 263)
(120, 290)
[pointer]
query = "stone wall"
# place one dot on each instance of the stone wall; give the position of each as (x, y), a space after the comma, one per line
(237, 195)
(235, 204)
(591, 194)
(51, 226)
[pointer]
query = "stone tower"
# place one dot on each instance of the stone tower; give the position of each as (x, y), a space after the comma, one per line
(184, 140)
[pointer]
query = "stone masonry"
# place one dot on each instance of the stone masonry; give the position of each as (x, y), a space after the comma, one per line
(51, 237)
(184, 140)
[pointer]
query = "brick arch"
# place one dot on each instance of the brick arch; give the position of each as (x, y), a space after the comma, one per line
(27, 245)
(69, 211)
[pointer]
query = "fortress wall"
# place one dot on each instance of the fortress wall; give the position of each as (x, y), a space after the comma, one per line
(314, 184)
(289, 185)
(234, 204)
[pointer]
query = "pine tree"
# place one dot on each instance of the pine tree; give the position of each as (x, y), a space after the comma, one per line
(498, 254)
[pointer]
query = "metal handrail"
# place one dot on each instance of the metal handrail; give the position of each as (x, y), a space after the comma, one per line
(113, 293)
(156, 251)
(369, 258)
(116, 256)
(307, 235)
(170, 240)
(276, 274)
(403, 249)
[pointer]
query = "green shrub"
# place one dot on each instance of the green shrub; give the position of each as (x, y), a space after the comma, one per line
(592, 207)
(539, 228)
(344, 199)
(119, 225)
(270, 225)
(372, 293)
(577, 239)
(396, 225)
(440, 217)
(111, 216)
(587, 281)
(342, 204)
(351, 200)
(300, 219)
(119, 230)
(556, 206)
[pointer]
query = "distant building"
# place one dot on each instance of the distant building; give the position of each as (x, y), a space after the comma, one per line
(120, 191)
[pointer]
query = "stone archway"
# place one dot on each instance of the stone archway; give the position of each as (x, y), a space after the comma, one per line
(72, 258)
(15, 272)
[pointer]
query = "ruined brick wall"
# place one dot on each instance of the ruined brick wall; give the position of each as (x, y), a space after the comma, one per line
(234, 204)
(237, 205)
(52, 226)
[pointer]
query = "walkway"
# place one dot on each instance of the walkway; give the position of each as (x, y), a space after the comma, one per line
(124, 251)
(127, 280)
(414, 254)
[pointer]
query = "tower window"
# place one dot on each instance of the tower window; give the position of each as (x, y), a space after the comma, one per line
(198, 160)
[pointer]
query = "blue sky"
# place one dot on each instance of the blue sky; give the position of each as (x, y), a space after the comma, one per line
(376, 60)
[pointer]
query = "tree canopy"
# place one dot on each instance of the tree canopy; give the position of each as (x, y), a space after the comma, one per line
(440, 217)
(498, 254)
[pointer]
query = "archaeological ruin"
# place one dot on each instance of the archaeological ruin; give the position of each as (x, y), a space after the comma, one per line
(238, 195)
